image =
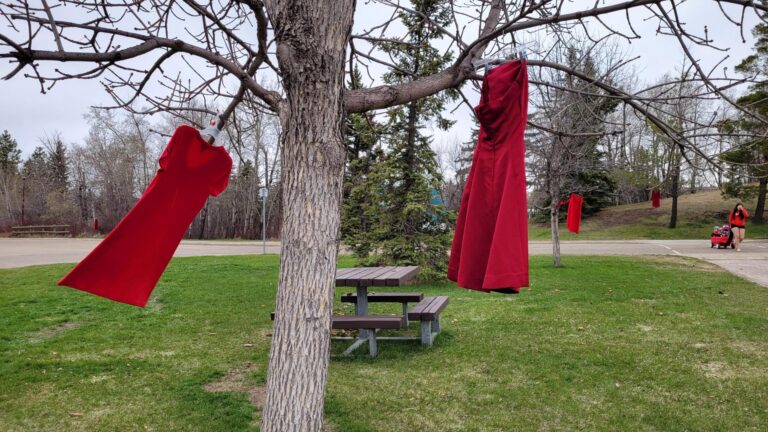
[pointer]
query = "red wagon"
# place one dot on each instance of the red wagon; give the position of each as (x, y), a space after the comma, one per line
(722, 237)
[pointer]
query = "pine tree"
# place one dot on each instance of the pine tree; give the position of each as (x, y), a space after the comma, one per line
(412, 229)
(56, 160)
(358, 212)
(37, 180)
(464, 159)
(10, 155)
(593, 181)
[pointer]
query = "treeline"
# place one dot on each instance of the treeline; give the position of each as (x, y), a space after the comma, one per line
(92, 185)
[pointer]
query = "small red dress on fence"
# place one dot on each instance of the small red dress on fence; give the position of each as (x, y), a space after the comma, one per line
(490, 245)
(127, 264)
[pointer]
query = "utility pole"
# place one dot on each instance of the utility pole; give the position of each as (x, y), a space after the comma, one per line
(23, 184)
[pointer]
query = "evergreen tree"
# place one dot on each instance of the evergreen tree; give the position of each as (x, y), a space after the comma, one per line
(752, 153)
(589, 112)
(37, 180)
(10, 155)
(412, 229)
(56, 159)
(358, 213)
(464, 159)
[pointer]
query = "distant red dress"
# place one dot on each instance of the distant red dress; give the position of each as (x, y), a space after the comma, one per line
(126, 265)
(573, 220)
(656, 199)
(490, 245)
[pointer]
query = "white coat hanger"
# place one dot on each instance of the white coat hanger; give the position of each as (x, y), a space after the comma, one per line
(517, 52)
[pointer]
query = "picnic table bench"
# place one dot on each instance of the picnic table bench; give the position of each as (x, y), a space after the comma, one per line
(402, 298)
(426, 310)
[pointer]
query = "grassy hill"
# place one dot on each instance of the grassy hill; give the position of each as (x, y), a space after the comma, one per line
(697, 214)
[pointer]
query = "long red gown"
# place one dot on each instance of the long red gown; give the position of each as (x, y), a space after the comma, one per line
(575, 202)
(490, 245)
(656, 199)
(127, 264)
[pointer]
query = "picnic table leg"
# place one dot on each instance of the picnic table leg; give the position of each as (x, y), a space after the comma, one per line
(436, 325)
(405, 313)
(362, 307)
(373, 349)
(426, 333)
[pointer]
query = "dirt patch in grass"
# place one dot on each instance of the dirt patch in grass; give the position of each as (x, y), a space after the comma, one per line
(722, 371)
(154, 305)
(51, 331)
(752, 348)
(236, 381)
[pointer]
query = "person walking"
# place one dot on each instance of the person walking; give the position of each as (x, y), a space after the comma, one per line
(737, 219)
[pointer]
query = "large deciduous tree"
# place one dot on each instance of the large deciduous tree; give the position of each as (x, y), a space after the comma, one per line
(306, 45)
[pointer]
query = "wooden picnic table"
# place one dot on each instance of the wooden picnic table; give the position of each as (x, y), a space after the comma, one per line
(363, 277)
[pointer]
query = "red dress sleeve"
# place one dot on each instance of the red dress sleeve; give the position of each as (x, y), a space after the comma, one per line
(165, 156)
(218, 186)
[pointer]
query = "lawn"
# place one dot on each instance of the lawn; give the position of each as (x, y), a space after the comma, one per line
(603, 344)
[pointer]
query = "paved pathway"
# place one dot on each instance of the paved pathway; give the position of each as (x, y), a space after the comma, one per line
(20, 252)
(751, 263)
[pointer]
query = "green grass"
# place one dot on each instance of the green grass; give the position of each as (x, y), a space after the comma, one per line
(697, 214)
(601, 344)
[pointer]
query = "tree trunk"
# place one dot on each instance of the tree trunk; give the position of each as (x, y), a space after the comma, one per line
(554, 217)
(674, 192)
(760, 208)
(311, 41)
(203, 218)
(409, 230)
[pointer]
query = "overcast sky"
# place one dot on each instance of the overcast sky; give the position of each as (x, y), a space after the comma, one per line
(29, 115)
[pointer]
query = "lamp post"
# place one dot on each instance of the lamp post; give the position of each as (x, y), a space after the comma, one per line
(263, 192)
(23, 190)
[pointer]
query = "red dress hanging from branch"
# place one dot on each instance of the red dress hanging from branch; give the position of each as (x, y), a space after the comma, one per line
(127, 264)
(490, 245)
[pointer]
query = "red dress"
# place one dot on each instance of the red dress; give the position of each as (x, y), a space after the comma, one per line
(490, 245)
(574, 213)
(126, 265)
(656, 199)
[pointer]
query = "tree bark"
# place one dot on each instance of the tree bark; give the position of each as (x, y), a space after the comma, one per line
(674, 193)
(311, 41)
(760, 208)
(554, 215)
(203, 219)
